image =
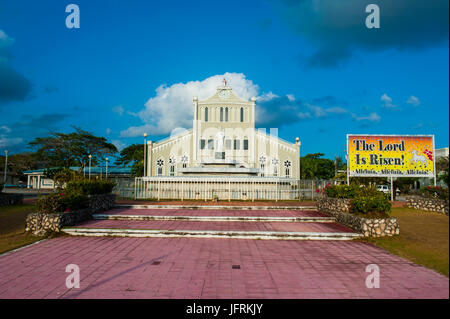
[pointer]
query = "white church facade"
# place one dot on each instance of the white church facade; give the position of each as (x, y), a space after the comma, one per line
(223, 156)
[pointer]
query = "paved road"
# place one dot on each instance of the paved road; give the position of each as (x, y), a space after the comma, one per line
(203, 268)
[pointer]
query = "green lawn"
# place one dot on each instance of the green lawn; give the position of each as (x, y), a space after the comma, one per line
(423, 239)
(12, 227)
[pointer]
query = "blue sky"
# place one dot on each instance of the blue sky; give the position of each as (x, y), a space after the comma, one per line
(317, 71)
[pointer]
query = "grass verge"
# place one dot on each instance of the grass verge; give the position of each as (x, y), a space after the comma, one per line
(12, 227)
(423, 239)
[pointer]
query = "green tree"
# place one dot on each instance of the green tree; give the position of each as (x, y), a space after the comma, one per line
(442, 169)
(314, 167)
(132, 155)
(72, 149)
(17, 163)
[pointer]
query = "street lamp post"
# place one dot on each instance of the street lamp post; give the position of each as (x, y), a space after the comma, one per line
(297, 142)
(106, 168)
(90, 156)
(6, 167)
(145, 154)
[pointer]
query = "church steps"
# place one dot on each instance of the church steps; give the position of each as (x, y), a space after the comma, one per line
(303, 219)
(213, 223)
(214, 212)
(186, 225)
(220, 207)
(265, 235)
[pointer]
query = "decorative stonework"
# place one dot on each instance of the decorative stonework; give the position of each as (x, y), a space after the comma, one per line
(428, 204)
(339, 208)
(41, 224)
(10, 199)
(327, 204)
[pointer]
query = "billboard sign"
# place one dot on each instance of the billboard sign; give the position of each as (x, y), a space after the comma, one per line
(390, 155)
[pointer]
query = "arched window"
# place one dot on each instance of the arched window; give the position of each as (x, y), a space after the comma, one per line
(262, 165)
(275, 166)
(221, 114)
(287, 168)
(206, 114)
(242, 114)
(226, 114)
(184, 160)
(160, 167)
(172, 166)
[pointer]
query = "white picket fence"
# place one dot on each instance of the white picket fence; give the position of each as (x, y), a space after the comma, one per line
(222, 188)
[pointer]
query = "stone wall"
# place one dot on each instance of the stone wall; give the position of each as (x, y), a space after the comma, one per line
(339, 208)
(330, 205)
(41, 224)
(428, 204)
(10, 199)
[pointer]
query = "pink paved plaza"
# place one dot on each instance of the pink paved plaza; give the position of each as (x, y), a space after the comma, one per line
(203, 268)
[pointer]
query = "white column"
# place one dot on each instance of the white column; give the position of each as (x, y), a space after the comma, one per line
(28, 181)
(182, 190)
(392, 189)
(159, 188)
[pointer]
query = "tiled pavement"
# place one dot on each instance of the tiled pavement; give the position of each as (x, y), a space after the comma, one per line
(112, 267)
(202, 268)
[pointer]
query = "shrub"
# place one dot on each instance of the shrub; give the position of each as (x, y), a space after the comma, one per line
(434, 192)
(90, 187)
(1, 187)
(350, 191)
(74, 200)
(61, 202)
(341, 191)
(51, 203)
(377, 206)
(365, 201)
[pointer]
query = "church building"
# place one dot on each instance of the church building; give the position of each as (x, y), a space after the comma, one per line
(223, 150)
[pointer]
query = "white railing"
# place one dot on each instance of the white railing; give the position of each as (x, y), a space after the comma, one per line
(222, 188)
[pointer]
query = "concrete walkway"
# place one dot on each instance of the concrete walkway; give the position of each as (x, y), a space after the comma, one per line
(203, 268)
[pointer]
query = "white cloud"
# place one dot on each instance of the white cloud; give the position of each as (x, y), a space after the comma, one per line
(5, 40)
(6, 142)
(118, 109)
(108, 131)
(119, 144)
(172, 105)
(177, 131)
(413, 100)
(5, 129)
(317, 110)
(266, 97)
(336, 110)
(387, 101)
(372, 117)
(290, 97)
